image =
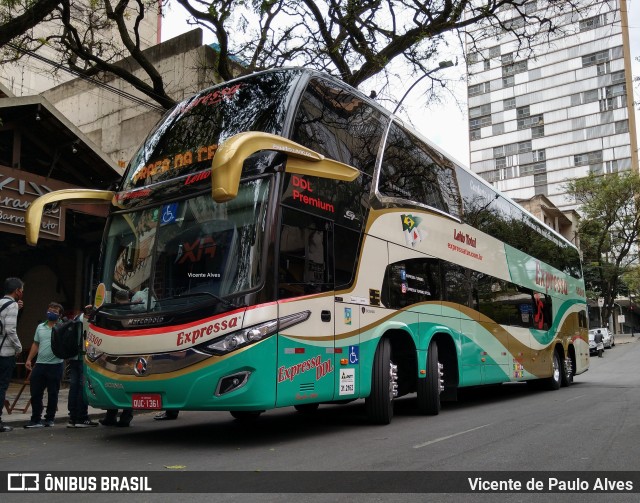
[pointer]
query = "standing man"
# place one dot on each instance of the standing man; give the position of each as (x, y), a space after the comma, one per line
(10, 345)
(599, 340)
(47, 372)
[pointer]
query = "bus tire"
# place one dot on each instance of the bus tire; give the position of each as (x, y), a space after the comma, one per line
(245, 415)
(553, 383)
(567, 372)
(429, 387)
(379, 403)
(307, 408)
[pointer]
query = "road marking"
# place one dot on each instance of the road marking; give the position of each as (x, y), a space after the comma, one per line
(576, 397)
(450, 436)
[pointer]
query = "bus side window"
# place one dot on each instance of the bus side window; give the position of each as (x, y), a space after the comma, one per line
(410, 282)
(542, 311)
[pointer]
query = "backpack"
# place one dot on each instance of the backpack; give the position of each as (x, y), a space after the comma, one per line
(2, 308)
(66, 339)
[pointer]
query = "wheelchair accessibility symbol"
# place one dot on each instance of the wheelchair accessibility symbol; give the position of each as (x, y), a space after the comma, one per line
(354, 355)
(169, 212)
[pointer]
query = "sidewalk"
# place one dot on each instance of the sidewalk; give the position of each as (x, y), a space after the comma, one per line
(20, 417)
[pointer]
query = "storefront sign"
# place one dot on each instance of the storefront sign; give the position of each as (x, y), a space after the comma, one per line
(18, 189)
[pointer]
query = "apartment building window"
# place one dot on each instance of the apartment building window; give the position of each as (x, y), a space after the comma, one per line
(473, 57)
(507, 59)
(604, 68)
(513, 24)
(523, 112)
(490, 176)
(481, 88)
(592, 22)
(501, 162)
(487, 64)
(524, 147)
(537, 132)
(616, 90)
(596, 169)
(480, 122)
(509, 172)
(509, 104)
(497, 128)
(494, 51)
(535, 168)
(611, 166)
(617, 77)
(508, 81)
(588, 158)
(538, 155)
(474, 134)
(529, 122)
(609, 104)
(512, 69)
(622, 126)
(480, 111)
(590, 96)
(595, 58)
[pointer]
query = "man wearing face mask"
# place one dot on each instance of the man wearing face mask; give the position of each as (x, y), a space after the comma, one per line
(47, 372)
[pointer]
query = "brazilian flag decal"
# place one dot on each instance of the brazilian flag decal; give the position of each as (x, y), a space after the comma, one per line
(412, 234)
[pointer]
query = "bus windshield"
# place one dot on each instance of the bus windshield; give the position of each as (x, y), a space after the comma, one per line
(167, 256)
(185, 141)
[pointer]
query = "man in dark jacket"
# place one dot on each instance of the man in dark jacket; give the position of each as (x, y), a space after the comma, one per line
(599, 340)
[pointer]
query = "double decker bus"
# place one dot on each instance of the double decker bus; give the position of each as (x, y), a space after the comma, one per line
(283, 240)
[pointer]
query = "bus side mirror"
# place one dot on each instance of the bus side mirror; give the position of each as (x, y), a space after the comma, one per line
(226, 167)
(33, 217)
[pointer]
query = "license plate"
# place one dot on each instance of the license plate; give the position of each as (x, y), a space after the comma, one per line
(149, 401)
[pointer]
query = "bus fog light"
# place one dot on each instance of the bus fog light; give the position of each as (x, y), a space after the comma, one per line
(232, 382)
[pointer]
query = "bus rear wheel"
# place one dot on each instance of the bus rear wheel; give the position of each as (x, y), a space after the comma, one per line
(245, 415)
(430, 387)
(384, 387)
(567, 372)
(553, 382)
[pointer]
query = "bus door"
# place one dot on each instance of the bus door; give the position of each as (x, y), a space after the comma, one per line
(305, 362)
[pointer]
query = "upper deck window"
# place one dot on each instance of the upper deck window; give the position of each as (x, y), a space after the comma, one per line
(413, 171)
(339, 124)
(186, 139)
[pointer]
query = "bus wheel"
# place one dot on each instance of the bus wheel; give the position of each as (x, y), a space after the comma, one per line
(431, 386)
(307, 408)
(384, 385)
(245, 415)
(554, 381)
(567, 372)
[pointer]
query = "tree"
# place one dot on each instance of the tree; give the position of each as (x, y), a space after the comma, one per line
(608, 231)
(352, 39)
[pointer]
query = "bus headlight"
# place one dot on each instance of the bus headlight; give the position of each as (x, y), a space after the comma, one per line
(241, 338)
(91, 352)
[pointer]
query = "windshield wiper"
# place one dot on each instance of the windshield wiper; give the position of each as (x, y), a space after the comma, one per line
(216, 297)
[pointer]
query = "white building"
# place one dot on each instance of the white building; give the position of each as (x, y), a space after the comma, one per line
(31, 76)
(537, 121)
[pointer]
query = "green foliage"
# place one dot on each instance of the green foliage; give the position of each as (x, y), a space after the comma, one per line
(608, 232)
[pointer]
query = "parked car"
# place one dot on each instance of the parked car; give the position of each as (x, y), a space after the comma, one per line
(592, 343)
(608, 338)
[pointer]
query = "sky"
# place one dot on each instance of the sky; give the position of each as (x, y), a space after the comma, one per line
(446, 123)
